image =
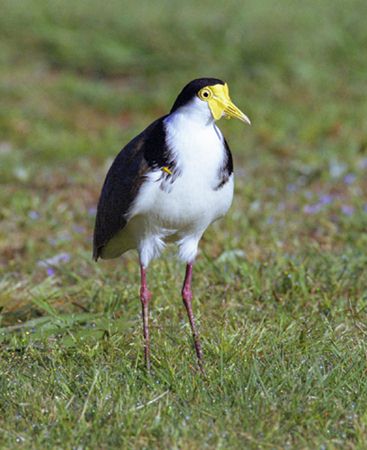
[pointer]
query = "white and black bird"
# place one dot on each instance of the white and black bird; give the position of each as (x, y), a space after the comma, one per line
(168, 185)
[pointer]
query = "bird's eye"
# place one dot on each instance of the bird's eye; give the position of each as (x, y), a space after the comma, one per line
(205, 94)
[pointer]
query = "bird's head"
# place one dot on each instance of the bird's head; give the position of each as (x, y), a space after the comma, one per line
(208, 99)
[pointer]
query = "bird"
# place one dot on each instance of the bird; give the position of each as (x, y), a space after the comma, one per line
(167, 185)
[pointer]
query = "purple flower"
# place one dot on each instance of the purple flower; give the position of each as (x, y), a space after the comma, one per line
(365, 208)
(52, 241)
(56, 260)
(78, 229)
(292, 187)
(326, 199)
(50, 272)
(312, 209)
(34, 215)
(348, 210)
(349, 178)
(92, 211)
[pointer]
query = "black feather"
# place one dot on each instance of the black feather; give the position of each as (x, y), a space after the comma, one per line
(145, 152)
(191, 89)
(227, 168)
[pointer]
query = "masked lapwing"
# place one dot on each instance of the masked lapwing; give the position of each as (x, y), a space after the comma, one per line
(168, 185)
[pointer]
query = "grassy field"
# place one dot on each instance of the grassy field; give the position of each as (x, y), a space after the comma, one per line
(280, 283)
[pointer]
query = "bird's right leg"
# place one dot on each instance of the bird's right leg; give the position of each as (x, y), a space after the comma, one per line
(145, 296)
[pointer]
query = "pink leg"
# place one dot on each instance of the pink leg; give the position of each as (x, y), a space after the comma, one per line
(187, 299)
(145, 297)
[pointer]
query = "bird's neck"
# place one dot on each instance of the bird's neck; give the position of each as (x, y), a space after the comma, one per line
(193, 118)
(194, 144)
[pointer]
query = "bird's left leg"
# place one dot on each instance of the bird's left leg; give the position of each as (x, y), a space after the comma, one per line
(145, 296)
(187, 299)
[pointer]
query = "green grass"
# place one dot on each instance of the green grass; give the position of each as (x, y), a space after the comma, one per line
(280, 283)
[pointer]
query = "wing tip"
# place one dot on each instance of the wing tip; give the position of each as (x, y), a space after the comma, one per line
(96, 253)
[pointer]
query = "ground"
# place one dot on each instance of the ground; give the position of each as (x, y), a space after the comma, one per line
(280, 283)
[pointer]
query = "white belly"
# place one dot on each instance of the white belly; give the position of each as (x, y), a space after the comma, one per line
(190, 206)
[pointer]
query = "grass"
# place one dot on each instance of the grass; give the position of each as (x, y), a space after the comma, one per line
(280, 284)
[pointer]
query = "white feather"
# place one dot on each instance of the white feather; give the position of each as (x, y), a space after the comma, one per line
(182, 213)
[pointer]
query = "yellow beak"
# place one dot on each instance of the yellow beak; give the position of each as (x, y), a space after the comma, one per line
(221, 105)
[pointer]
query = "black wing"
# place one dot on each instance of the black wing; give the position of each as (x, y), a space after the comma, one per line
(227, 168)
(124, 179)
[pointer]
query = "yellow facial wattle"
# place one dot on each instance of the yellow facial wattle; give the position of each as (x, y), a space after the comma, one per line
(220, 104)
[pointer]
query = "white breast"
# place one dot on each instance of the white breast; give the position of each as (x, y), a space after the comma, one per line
(193, 202)
(183, 212)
